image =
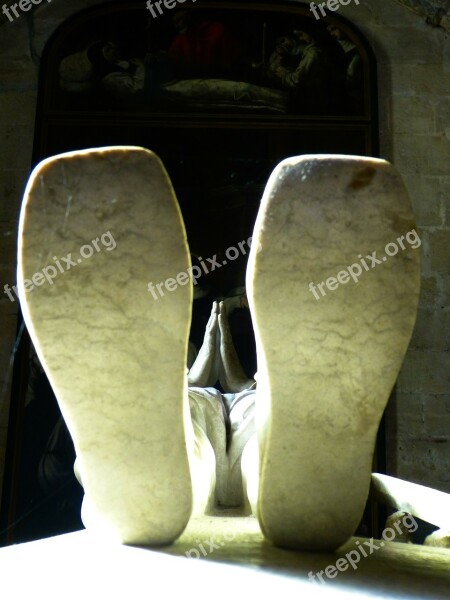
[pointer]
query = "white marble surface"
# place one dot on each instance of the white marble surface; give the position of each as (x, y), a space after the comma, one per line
(78, 566)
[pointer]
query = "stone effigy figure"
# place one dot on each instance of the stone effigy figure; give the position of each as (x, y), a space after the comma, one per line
(227, 417)
(332, 280)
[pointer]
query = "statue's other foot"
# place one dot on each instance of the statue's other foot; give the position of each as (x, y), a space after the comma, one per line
(333, 285)
(96, 227)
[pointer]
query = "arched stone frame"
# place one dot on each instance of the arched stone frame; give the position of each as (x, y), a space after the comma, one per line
(46, 120)
(50, 116)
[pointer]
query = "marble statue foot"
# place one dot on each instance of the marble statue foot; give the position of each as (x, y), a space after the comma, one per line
(96, 227)
(333, 285)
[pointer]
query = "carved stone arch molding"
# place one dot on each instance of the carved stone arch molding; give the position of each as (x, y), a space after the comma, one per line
(220, 119)
(221, 106)
(435, 12)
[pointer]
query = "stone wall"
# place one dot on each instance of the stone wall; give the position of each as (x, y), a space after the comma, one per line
(414, 96)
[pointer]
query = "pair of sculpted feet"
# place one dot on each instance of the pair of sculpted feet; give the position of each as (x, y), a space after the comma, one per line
(332, 327)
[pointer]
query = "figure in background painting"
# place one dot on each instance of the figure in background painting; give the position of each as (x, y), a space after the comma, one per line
(318, 76)
(101, 62)
(125, 77)
(285, 55)
(202, 47)
(354, 70)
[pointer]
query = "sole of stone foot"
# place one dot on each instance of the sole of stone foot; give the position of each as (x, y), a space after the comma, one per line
(333, 321)
(96, 227)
